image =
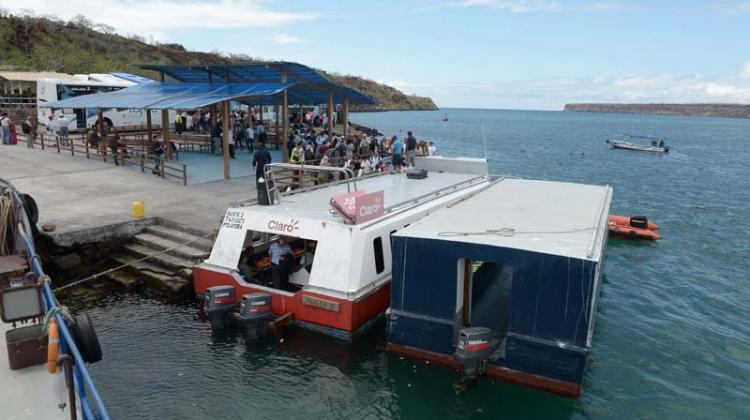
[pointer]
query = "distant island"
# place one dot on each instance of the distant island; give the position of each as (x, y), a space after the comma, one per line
(701, 110)
(33, 43)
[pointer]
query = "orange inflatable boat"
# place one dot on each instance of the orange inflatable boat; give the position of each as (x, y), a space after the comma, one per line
(633, 227)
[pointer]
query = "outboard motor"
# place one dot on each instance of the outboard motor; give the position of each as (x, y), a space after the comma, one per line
(255, 312)
(218, 302)
(475, 345)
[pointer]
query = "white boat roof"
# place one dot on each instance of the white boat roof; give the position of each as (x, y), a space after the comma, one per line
(555, 218)
(397, 189)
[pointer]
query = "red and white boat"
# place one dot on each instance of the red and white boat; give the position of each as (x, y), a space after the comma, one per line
(342, 266)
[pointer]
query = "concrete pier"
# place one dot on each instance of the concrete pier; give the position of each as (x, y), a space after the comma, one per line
(90, 199)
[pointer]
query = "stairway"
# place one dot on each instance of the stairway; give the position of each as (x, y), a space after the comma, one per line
(168, 274)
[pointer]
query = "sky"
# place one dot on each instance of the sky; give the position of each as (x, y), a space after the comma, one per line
(511, 54)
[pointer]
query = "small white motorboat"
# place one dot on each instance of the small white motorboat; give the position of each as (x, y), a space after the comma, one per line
(657, 144)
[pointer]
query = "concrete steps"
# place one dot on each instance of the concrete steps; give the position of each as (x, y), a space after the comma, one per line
(161, 243)
(166, 260)
(180, 236)
(169, 273)
(145, 267)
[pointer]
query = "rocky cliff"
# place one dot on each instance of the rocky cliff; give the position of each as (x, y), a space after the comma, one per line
(703, 110)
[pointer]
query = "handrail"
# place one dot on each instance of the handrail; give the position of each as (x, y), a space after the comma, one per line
(83, 382)
(348, 174)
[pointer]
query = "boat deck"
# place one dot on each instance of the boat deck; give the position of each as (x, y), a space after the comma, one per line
(397, 189)
(30, 393)
(548, 217)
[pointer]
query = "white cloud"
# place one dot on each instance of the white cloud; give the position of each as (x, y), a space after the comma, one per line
(162, 17)
(745, 73)
(542, 6)
(288, 39)
(516, 6)
(554, 93)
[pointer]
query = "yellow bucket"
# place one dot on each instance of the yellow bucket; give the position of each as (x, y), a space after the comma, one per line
(138, 210)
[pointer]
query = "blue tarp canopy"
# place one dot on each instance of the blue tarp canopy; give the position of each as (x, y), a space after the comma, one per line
(170, 96)
(310, 86)
(204, 85)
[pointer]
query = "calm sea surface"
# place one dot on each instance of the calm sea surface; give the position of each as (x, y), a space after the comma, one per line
(672, 338)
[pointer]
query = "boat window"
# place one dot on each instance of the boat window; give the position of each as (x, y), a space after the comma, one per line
(377, 243)
(292, 273)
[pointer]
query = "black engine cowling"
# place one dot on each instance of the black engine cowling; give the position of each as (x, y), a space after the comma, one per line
(640, 222)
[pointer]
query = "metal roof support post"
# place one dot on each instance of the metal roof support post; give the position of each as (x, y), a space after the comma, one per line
(285, 120)
(212, 120)
(225, 137)
(148, 131)
(346, 117)
(330, 115)
(276, 116)
(100, 122)
(161, 76)
(165, 134)
(299, 114)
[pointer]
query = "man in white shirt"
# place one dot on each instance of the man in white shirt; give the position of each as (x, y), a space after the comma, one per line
(62, 128)
(230, 141)
(431, 149)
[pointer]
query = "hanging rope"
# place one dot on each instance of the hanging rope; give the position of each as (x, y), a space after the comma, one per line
(8, 225)
(120, 267)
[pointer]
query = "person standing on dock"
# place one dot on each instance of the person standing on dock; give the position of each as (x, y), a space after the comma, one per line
(397, 150)
(49, 127)
(5, 127)
(261, 158)
(32, 125)
(411, 148)
(114, 146)
(280, 253)
(62, 128)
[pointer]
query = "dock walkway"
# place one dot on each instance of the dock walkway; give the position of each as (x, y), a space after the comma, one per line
(77, 194)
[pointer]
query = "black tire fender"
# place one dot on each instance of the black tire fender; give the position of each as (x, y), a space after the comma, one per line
(85, 338)
(32, 212)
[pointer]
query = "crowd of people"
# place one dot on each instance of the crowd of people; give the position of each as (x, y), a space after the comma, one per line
(361, 153)
(308, 142)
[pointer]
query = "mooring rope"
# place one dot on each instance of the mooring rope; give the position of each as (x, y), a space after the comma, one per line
(120, 267)
(7, 224)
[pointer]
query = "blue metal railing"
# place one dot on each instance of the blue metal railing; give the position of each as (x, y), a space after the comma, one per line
(84, 384)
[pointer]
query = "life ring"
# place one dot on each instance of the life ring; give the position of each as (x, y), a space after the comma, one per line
(53, 346)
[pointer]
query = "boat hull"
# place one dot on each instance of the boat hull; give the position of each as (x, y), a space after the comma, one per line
(566, 389)
(634, 147)
(344, 319)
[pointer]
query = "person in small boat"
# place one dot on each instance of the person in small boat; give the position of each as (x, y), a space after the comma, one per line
(661, 143)
(281, 257)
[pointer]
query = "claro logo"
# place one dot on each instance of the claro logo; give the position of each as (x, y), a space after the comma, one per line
(277, 226)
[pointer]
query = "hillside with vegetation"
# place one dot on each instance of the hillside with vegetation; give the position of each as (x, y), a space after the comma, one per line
(35, 43)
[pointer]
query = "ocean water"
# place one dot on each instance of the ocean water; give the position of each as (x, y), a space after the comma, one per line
(672, 338)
